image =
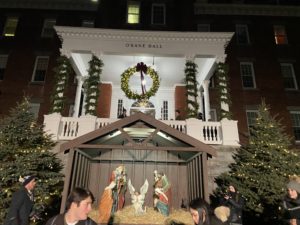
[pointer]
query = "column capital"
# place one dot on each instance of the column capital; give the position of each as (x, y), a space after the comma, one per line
(97, 53)
(80, 78)
(190, 57)
(65, 52)
(221, 58)
(206, 83)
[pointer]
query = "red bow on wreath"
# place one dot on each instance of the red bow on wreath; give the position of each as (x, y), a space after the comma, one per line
(141, 67)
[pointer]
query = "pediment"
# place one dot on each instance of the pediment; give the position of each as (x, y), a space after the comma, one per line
(138, 132)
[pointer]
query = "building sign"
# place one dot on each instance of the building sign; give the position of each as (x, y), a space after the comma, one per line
(142, 45)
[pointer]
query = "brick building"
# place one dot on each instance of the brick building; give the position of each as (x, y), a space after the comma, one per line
(259, 43)
(263, 55)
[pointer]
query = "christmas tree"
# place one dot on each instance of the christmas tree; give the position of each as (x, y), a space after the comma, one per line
(25, 150)
(261, 169)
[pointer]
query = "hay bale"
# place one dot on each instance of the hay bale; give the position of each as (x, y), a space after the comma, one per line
(127, 216)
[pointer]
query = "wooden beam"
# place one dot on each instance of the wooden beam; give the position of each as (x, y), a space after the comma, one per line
(147, 160)
(150, 136)
(67, 180)
(140, 147)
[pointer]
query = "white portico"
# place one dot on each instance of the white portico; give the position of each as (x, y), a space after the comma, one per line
(166, 52)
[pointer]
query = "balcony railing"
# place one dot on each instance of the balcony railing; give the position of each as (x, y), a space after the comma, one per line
(224, 132)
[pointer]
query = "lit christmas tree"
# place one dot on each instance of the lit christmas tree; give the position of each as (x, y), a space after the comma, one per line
(261, 169)
(25, 150)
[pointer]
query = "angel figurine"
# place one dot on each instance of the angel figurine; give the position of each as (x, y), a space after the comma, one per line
(138, 198)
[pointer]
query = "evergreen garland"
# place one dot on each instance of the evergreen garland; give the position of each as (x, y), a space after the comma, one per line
(62, 73)
(223, 89)
(125, 77)
(191, 89)
(91, 85)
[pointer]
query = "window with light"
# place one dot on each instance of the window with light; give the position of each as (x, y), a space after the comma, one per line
(133, 13)
(10, 27)
(280, 35)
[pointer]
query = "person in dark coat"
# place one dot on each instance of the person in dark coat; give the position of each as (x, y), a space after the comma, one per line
(235, 201)
(291, 202)
(78, 206)
(22, 203)
(202, 213)
(178, 115)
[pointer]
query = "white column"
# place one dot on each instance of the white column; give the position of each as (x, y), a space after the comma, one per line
(78, 95)
(205, 85)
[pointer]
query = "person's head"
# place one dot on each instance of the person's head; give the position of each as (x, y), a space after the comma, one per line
(293, 188)
(177, 111)
(231, 188)
(28, 182)
(199, 210)
(79, 203)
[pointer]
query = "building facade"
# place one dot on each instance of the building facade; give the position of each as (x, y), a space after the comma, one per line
(258, 42)
(262, 54)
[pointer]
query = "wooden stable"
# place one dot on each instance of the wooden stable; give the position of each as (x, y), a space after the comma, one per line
(143, 144)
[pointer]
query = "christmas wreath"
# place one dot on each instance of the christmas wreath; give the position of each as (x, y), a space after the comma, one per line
(144, 70)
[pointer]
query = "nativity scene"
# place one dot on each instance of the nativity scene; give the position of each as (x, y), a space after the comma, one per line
(112, 200)
(149, 150)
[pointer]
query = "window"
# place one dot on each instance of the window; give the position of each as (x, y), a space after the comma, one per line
(164, 111)
(10, 26)
(158, 14)
(289, 79)
(280, 35)
(247, 74)
(120, 107)
(242, 35)
(251, 118)
(40, 68)
(88, 23)
(133, 15)
(35, 108)
(3, 62)
(203, 27)
(296, 124)
(48, 30)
